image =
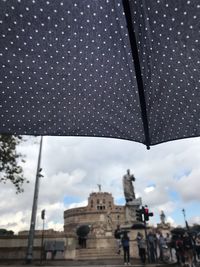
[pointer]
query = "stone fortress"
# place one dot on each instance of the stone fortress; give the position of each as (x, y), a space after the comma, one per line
(101, 216)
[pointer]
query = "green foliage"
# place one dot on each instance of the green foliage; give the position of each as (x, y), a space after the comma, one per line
(10, 170)
(4, 232)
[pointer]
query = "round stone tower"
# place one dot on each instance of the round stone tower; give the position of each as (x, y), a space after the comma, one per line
(101, 214)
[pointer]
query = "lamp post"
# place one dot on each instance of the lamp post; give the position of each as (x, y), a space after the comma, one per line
(29, 254)
(183, 210)
(42, 239)
(186, 223)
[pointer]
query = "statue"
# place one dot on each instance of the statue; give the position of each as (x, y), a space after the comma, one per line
(132, 203)
(128, 186)
(99, 186)
(162, 217)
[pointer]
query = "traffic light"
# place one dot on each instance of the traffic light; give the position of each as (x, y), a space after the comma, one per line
(147, 214)
(43, 214)
(139, 216)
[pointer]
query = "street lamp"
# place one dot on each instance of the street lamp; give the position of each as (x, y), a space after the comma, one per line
(42, 239)
(183, 210)
(186, 223)
(29, 254)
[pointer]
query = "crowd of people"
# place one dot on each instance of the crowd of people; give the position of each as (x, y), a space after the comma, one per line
(183, 248)
(187, 247)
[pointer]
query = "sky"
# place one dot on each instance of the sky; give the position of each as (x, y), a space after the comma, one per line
(167, 178)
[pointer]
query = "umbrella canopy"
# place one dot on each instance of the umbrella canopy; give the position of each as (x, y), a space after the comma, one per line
(138, 226)
(178, 231)
(112, 68)
(83, 230)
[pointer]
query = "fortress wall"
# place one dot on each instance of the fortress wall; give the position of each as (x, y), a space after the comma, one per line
(15, 247)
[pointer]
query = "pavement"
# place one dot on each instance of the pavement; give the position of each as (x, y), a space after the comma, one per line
(82, 263)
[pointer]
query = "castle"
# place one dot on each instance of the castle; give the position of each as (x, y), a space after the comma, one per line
(101, 217)
(101, 214)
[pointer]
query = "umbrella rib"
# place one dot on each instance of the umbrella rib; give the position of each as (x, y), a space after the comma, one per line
(135, 55)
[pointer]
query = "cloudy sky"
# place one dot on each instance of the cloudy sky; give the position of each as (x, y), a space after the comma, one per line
(167, 178)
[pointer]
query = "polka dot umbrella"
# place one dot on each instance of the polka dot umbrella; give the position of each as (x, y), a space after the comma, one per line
(111, 68)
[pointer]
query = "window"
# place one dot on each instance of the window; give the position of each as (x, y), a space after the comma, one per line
(101, 207)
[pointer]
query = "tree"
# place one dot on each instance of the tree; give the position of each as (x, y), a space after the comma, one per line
(10, 170)
(4, 232)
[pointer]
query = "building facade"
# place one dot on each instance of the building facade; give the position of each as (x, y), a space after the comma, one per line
(101, 214)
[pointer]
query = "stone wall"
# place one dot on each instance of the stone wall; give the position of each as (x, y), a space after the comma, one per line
(15, 247)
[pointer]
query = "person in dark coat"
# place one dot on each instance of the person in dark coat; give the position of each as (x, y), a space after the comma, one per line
(126, 248)
(179, 247)
(142, 248)
(197, 246)
(188, 249)
(152, 247)
(117, 235)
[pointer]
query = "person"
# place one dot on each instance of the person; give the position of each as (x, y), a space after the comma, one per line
(197, 246)
(117, 235)
(179, 250)
(188, 249)
(161, 244)
(129, 193)
(138, 237)
(156, 236)
(168, 240)
(82, 241)
(152, 246)
(126, 248)
(142, 247)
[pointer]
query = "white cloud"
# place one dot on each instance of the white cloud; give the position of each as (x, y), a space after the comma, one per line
(149, 189)
(60, 184)
(194, 220)
(188, 186)
(15, 221)
(77, 205)
(55, 226)
(171, 221)
(167, 207)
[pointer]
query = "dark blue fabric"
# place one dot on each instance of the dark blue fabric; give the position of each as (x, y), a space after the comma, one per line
(168, 42)
(66, 68)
